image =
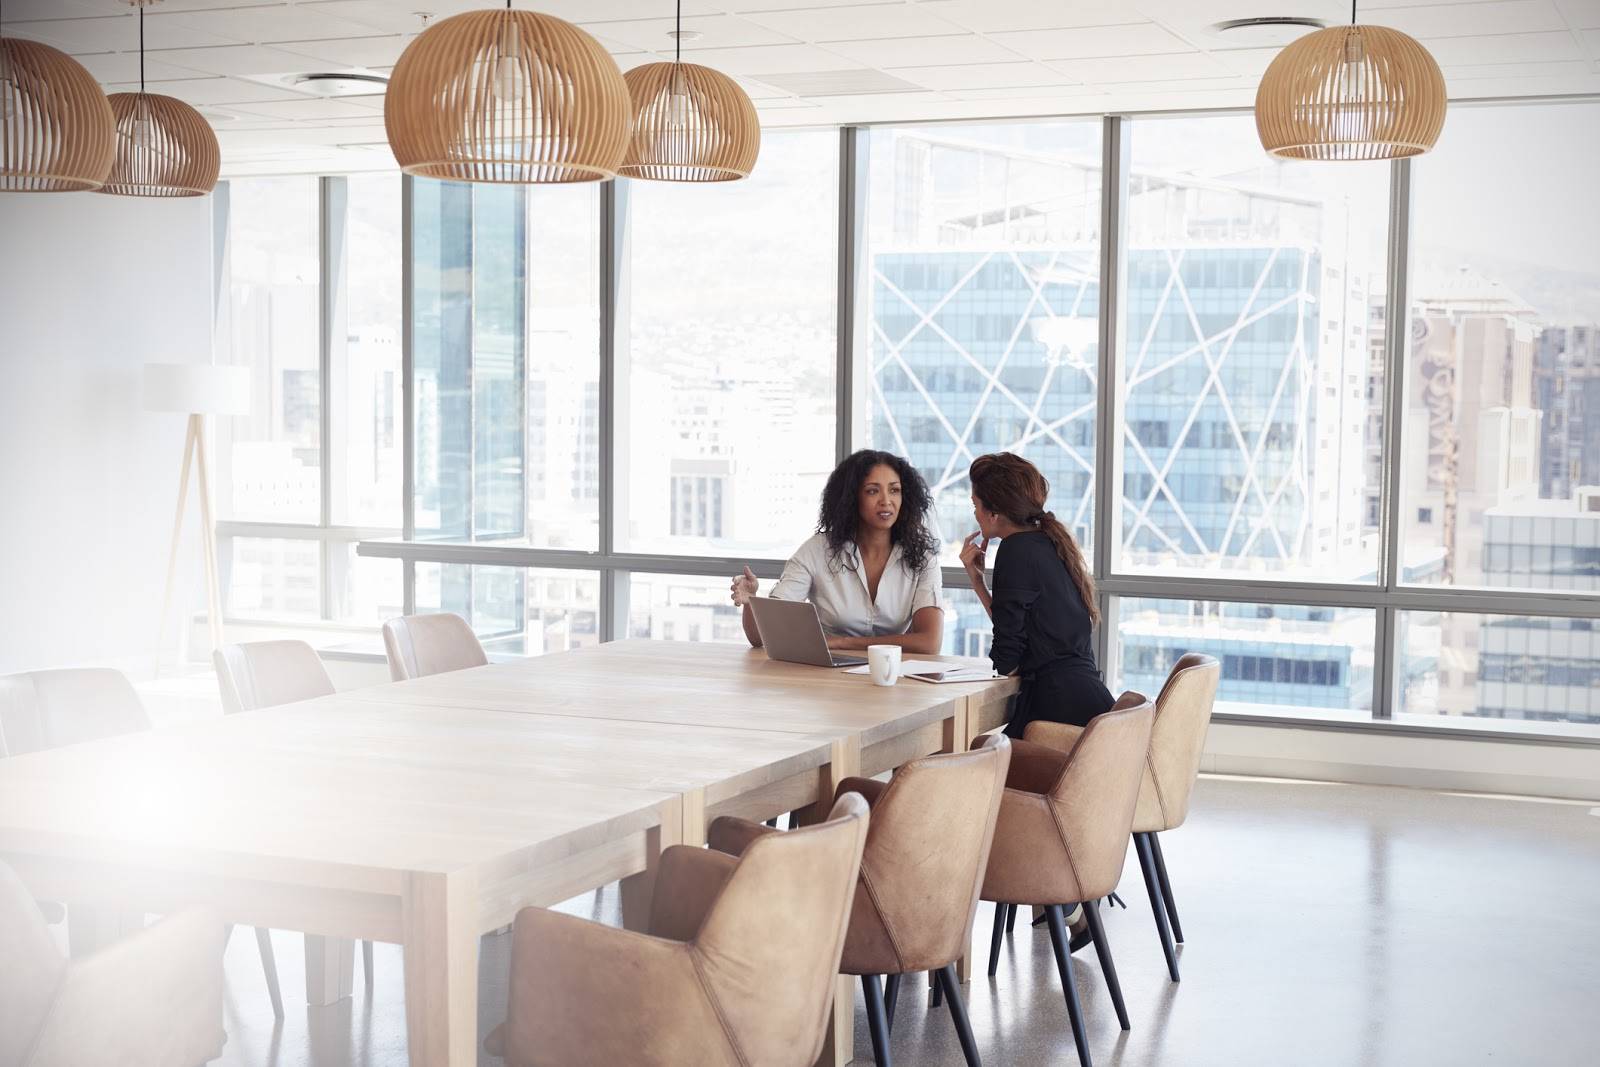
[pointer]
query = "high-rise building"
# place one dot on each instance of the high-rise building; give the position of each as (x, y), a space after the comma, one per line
(1567, 389)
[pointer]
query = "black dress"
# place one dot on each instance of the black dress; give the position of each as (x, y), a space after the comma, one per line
(1042, 631)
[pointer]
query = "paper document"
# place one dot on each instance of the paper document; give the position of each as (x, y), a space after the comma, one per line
(927, 670)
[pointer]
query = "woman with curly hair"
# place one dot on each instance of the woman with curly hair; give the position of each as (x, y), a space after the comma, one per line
(1043, 604)
(872, 569)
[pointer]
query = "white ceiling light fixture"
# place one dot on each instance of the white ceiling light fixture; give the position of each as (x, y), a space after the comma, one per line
(340, 83)
(1265, 31)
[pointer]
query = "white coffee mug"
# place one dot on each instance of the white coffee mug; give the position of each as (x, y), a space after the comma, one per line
(883, 661)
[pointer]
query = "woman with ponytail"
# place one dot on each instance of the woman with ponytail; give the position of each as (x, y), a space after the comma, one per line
(1043, 600)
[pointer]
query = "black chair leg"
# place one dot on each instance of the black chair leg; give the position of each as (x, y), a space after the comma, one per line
(1058, 941)
(1011, 917)
(366, 963)
(938, 991)
(1102, 948)
(891, 997)
(994, 939)
(1147, 864)
(877, 1019)
(958, 1014)
(1166, 888)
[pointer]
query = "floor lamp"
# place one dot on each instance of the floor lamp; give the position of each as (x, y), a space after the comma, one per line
(196, 390)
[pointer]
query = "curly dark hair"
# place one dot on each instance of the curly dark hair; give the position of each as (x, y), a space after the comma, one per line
(840, 514)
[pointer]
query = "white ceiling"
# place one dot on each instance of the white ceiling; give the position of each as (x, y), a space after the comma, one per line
(804, 62)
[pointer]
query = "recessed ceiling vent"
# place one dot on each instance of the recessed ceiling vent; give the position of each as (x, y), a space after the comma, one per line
(333, 83)
(1265, 31)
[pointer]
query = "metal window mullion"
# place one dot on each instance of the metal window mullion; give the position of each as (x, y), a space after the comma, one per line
(331, 208)
(851, 211)
(1391, 523)
(408, 451)
(613, 255)
(1114, 157)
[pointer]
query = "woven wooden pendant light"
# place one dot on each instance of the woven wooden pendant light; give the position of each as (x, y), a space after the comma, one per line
(690, 123)
(164, 146)
(1351, 92)
(55, 123)
(507, 96)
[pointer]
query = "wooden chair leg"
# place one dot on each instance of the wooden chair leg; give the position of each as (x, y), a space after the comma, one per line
(1102, 948)
(994, 940)
(269, 966)
(1058, 941)
(877, 1019)
(958, 1014)
(1166, 888)
(366, 963)
(1141, 844)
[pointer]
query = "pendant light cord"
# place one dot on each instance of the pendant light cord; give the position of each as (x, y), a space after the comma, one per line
(141, 49)
(1352, 11)
(677, 38)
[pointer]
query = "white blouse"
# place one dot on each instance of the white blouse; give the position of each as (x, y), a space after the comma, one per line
(838, 588)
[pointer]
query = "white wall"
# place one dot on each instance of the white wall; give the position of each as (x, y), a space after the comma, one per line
(91, 288)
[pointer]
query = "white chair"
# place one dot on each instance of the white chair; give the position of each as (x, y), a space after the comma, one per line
(153, 999)
(264, 674)
(419, 645)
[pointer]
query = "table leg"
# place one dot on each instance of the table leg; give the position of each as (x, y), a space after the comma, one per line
(959, 730)
(838, 1046)
(330, 969)
(439, 921)
(639, 889)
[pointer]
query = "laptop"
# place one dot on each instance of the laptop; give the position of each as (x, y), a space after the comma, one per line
(791, 632)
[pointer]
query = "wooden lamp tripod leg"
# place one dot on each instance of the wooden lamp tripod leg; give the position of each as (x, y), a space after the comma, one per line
(189, 440)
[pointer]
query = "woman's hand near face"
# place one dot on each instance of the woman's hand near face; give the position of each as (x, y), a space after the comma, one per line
(742, 588)
(974, 553)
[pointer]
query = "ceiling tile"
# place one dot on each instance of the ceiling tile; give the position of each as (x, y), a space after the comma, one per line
(1183, 65)
(858, 23)
(924, 51)
(115, 33)
(1580, 14)
(1466, 20)
(1514, 70)
(1065, 92)
(354, 51)
(1252, 62)
(743, 6)
(124, 67)
(769, 59)
(993, 16)
(716, 31)
(1187, 85)
(832, 83)
(31, 10)
(617, 10)
(983, 75)
(1094, 41)
(1503, 48)
(270, 25)
(1591, 38)
(308, 109)
(204, 92)
(242, 59)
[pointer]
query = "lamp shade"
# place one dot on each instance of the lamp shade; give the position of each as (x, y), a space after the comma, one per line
(55, 124)
(690, 124)
(507, 96)
(197, 388)
(1351, 92)
(164, 148)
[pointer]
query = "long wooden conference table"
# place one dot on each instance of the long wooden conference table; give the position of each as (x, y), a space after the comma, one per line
(428, 812)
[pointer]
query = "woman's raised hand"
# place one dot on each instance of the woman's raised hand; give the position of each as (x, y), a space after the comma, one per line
(743, 588)
(974, 552)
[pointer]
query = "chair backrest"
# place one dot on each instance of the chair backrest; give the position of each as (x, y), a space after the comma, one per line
(264, 674)
(48, 709)
(927, 850)
(32, 971)
(769, 948)
(1177, 740)
(419, 645)
(1093, 801)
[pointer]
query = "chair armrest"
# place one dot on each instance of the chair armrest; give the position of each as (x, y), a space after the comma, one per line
(687, 884)
(1060, 736)
(583, 992)
(152, 999)
(870, 789)
(1034, 768)
(733, 835)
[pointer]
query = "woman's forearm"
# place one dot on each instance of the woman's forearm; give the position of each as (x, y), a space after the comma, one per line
(925, 638)
(981, 587)
(751, 632)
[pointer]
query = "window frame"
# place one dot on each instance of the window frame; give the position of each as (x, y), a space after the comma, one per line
(1388, 596)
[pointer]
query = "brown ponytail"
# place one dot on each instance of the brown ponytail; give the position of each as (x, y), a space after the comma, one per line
(1011, 486)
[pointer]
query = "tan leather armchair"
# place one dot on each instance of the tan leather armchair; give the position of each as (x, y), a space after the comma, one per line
(1063, 831)
(926, 852)
(419, 645)
(150, 1000)
(737, 968)
(1182, 714)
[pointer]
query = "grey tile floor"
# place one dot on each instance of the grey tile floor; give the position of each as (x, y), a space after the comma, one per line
(1327, 924)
